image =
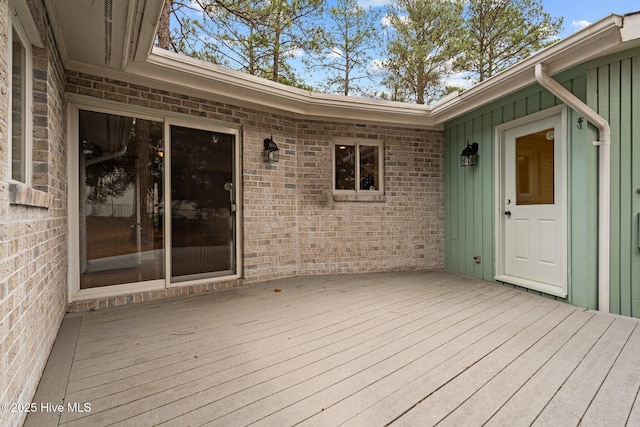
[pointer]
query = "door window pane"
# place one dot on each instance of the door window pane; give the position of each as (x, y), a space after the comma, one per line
(535, 180)
(121, 199)
(202, 205)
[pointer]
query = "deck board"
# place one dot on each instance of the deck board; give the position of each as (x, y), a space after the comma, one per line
(407, 348)
(445, 400)
(570, 403)
(530, 399)
(617, 393)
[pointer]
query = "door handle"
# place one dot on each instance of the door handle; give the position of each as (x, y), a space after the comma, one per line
(507, 213)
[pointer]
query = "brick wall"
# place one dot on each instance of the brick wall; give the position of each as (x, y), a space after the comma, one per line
(291, 223)
(33, 226)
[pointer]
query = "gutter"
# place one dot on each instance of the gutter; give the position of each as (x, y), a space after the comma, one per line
(600, 38)
(604, 177)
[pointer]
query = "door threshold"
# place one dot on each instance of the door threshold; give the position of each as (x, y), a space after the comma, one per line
(555, 290)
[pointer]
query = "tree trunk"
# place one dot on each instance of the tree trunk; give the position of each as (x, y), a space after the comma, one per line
(276, 57)
(164, 29)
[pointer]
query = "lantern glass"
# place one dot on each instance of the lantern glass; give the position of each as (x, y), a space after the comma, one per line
(469, 156)
(271, 151)
(271, 156)
(468, 160)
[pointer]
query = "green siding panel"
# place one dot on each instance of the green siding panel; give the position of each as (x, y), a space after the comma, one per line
(612, 87)
(470, 192)
(634, 135)
(583, 206)
(621, 121)
(618, 83)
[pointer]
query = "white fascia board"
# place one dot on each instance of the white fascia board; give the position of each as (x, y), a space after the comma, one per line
(600, 38)
(631, 27)
(23, 13)
(217, 82)
(146, 19)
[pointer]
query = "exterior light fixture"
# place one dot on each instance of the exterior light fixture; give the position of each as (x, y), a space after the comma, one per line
(271, 151)
(469, 156)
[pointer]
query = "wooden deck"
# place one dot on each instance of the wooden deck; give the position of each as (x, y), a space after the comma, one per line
(406, 349)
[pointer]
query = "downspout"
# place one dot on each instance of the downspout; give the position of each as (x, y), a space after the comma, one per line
(604, 177)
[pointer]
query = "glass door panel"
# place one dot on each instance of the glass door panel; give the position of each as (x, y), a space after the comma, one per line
(120, 195)
(202, 204)
(535, 181)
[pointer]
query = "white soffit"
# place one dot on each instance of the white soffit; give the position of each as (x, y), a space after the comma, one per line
(104, 33)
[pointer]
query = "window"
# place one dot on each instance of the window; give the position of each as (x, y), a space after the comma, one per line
(20, 104)
(358, 167)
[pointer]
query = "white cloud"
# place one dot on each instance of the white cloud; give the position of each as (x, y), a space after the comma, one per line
(459, 80)
(376, 66)
(386, 21)
(373, 3)
(296, 52)
(335, 53)
(194, 4)
(578, 25)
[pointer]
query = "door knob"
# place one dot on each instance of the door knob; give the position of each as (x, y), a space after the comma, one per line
(507, 213)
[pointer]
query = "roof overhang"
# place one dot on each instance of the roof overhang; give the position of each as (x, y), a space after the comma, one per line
(605, 37)
(114, 38)
(104, 33)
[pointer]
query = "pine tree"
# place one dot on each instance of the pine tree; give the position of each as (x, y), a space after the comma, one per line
(343, 48)
(499, 33)
(424, 37)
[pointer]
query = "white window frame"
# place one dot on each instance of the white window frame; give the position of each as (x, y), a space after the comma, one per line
(359, 143)
(81, 102)
(27, 114)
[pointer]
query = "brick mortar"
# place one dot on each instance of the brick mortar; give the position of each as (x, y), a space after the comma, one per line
(33, 226)
(292, 223)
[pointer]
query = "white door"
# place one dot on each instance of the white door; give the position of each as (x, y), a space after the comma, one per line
(533, 212)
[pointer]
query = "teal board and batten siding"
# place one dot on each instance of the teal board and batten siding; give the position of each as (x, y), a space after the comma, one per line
(470, 191)
(614, 92)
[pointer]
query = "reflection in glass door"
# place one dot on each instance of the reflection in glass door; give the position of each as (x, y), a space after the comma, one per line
(202, 204)
(120, 199)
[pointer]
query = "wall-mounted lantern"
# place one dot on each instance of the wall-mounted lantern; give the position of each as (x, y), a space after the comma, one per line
(271, 151)
(469, 156)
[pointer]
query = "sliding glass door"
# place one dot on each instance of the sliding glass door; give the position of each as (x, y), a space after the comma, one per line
(202, 204)
(121, 225)
(128, 186)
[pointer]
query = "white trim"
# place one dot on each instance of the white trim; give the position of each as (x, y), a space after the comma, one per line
(500, 203)
(213, 279)
(359, 142)
(21, 12)
(79, 102)
(73, 203)
(27, 113)
(118, 290)
(166, 184)
(195, 77)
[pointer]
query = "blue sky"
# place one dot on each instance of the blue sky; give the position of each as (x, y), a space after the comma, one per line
(576, 15)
